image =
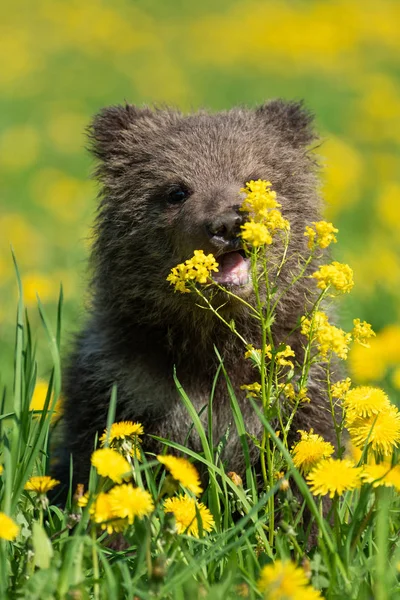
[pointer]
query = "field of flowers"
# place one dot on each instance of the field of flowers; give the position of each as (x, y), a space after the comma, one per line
(64, 61)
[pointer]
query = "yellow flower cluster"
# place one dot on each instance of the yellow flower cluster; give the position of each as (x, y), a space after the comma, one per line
(183, 471)
(281, 356)
(124, 437)
(336, 275)
(362, 332)
(265, 220)
(322, 234)
(253, 389)
(340, 388)
(333, 476)
(188, 513)
(329, 338)
(197, 269)
(110, 463)
(310, 450)
(371, 419)
(284, 580)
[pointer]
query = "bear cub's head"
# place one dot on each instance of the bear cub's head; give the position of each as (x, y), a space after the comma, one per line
(170, 184)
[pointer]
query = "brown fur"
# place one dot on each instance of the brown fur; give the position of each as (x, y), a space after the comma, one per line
(138, 329)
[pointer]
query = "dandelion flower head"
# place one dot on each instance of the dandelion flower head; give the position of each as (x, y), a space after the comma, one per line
(186, 518)
(110, 463)
(333, 476)
(364, 401)
(8, 528)
(284, 580)
(41, 484)
(124, 436)
(128, 502)
(310, 450)
(183, 471)
(101, 512)
(381, 430)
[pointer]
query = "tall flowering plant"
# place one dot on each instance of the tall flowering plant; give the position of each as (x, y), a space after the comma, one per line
(363, 415)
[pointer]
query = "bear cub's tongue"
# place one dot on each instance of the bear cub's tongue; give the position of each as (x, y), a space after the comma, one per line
(232, 268)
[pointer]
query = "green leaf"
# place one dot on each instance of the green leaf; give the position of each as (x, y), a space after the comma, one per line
(42, 547)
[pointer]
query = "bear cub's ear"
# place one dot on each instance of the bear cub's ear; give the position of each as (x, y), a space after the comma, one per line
(291, 120)
(116, 128)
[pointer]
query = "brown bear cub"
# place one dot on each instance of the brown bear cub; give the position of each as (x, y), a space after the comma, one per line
(170, 184)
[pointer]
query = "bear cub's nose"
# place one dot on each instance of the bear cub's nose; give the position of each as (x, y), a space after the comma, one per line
(225, 227)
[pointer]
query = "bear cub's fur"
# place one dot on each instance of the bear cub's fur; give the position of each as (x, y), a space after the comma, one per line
(170, 185)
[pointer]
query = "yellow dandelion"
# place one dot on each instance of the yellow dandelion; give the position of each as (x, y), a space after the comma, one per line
(332, 476)
(110, 463)
(362, 332)
(310, 450)
(8, 528)
(322, 234)
(340, 388)
(128, 502)
(256, 234)
(382, 474)
(124, 436)
(38, 401)
(41, 484)
(364, 401)
(336, 275)
(284, 580)
(253, 389)
(101, 512)
(197, 269)
(183, 471)
(187, 512)
(382, 430)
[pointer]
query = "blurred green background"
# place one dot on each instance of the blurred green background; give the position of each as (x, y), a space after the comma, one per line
(63, 60)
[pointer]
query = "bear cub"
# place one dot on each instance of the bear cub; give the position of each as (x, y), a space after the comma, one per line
(170, 184)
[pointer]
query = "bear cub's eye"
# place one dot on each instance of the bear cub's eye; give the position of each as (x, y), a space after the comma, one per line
(177, 194)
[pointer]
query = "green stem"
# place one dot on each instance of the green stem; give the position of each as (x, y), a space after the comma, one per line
(96, 571)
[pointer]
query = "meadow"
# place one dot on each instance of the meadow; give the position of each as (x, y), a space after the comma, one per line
(64, 61)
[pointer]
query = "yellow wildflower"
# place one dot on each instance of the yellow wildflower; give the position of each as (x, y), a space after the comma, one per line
(289, 392)
(382, 430)
(332, 476)
(284, 580)
(197, 269)
(101, 513)
(281, 357)
(186, 518)
(275, 221)
(310, 450)
(253, 389)
(8, 529)
(259, 199)
(253, 353)
(329, 338)
(183, 471)
(110, 463)
(382, 474)
(1, 469)
(256, 234)
(302, 395)
(337, 275)
(362, 331)
(41, 484)
(128, 502)
(340, 388)
(124, 436)
(323, 232)
(38, 401)
(364, 401)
